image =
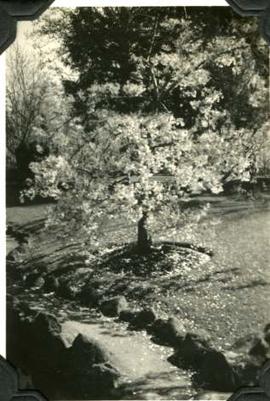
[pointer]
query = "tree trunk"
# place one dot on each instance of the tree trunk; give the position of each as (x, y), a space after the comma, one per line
(144, 239)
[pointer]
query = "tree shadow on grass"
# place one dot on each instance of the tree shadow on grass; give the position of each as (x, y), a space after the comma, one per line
(252, 284)
(129, 259)
(190, 285)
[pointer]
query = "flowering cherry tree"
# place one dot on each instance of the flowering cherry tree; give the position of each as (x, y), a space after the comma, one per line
(130, 168)
(153, 124)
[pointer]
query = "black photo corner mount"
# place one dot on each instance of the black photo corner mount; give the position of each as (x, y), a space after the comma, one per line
(9, 385)
(254, 8)
(12, 11)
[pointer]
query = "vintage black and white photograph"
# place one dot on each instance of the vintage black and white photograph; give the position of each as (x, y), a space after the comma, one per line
(137, 203)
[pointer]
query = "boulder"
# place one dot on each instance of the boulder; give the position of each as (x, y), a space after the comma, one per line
(41, 334)
(216, 373)
(259, 350)
(91, 369)
(67, 290)
(32, 278)
(168, 332)
(89, 296)
(23, 309)
(51, 284)
(88, 371)
(247, 373)
(243, 344)
(144, 319)
(85, 352)
(113, 306)
(46, 323)
(44, 334)
(14, 274)
(245, 370)
(213, 369)
(39, 283)
(192, 349)
(255, 349)
(18, 328)
(104, 376)
(128, 315)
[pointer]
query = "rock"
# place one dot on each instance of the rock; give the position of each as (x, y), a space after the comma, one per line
(51, 284)
(191, 351)
(67, 290)
(259, 350)
(46, 323)
(168, 332)
(200, 336)
(222, 371)
(88, 373)
(45, 334)
(86, 378)
(112, 307)
(216, 373)
(85, 352)
(244, 344)
(255, 346)
(247, 373)
(128, 315)
(14, 274)
(24, 308)
(42, 335)
(104, 376)
(89, 296)
(39, 283)
(32, 278)
(18, 338)
(254, 350)
(233, 357)
(144, 319)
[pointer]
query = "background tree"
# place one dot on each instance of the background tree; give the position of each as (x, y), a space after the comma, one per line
(37, 106)
(151, 52)
(168, 59)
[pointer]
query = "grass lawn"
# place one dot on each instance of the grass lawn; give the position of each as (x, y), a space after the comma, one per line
(228, 295)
